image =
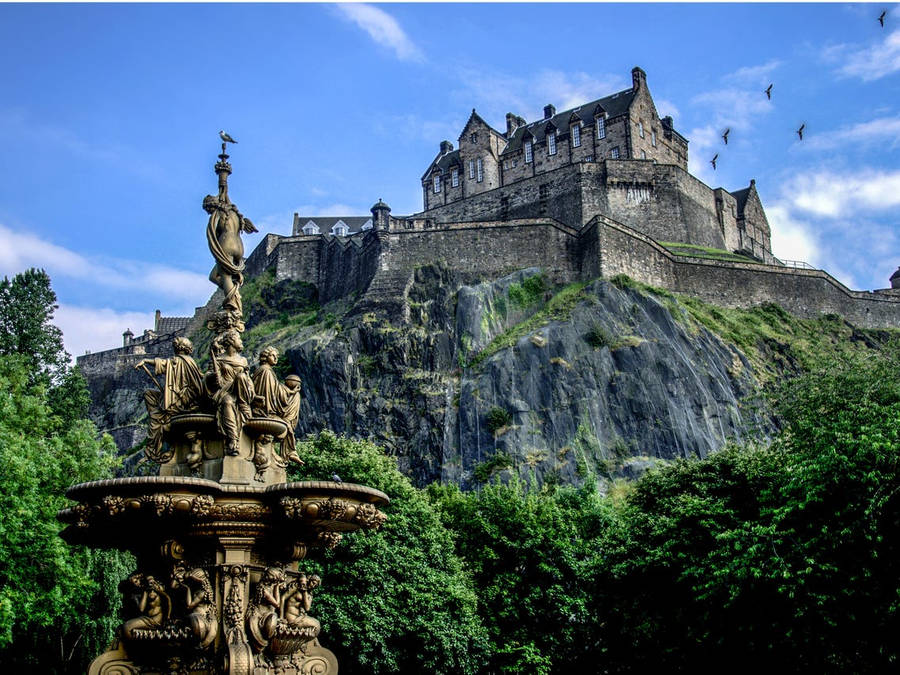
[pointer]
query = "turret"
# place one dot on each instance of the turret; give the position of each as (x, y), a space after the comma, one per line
(381, 215)
(895, 280)
(127, 337)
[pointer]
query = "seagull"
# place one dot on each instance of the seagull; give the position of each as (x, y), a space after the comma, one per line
(800, 130)
(713, 161)
(225, 137)
(725, 135)
(769, 92)
(336, 478)
(881, 19)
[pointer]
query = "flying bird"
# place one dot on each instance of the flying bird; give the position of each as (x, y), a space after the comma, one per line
(336, 478)
(725, 135)
(881, 19)
(800, 130)
(713, 161)
(225, 137)
(769, 92)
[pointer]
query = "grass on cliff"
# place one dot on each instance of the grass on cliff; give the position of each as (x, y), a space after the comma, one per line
(773, 340)
(558, 308)
(706, 252)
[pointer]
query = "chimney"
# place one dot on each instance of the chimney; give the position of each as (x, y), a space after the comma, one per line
(156, 323)
(549, 111)
(520, 121)
(446, 146)
(512, 122)
(295, 228)
(638, 78)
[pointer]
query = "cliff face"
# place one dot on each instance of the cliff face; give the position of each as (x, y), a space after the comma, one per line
(461, 382)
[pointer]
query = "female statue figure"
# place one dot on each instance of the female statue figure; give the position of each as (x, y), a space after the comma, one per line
(223, 234)
(234, 389)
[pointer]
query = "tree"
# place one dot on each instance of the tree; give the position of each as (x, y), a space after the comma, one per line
(396, 600)
(27, 304)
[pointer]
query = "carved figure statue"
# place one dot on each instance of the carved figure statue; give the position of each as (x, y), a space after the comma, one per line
(223, 234)
(278, 400)
(199, 603)
(233, 387)
(297, 600)
(178, 392)
(154, 606)
(265, 609)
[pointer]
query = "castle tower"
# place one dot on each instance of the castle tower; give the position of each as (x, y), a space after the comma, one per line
(895, 280)
(381, 215)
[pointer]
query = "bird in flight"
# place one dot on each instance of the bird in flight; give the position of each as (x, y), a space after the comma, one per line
(881, 19)
(725, 135)
(225, 137)
(713, 161)
(769, 92)
(800, 130)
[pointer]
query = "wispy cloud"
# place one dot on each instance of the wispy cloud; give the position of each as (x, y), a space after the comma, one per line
(867, 63)
(759, 75)
(96, 329)
(382, 28)
(792, 238)
(21, 250)
(885, 130)
(840, 195)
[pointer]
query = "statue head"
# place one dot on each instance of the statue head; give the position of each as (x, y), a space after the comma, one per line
(183, 345)
(268, 355)
(230, 339)
(210, 203)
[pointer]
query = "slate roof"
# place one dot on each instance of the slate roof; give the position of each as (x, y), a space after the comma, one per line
(325, 223)
(741, 197)
(614, 105)
(171, 324)
(443, 162)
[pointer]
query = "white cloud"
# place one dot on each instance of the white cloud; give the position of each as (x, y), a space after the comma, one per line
(97, 328)
(884, 130)
(792, 239)
(834, 195)
(666, 107)
(21, 250)
(756, 75)
(867, 63)
(382, 28)
(733, 107)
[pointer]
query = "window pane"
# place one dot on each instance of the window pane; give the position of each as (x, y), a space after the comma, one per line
(576, 136)
(528, 156)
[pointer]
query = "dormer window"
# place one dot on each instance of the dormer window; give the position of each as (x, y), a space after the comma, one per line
(310, 227)
(551, 142)
(576, 136)
(340, 229)
(437, 183)
(529, 154)
(480, 168)
(454, 177)
(367, 225)
(601, 128)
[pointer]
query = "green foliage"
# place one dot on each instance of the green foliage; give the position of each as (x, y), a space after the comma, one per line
(558, 308)
(529, 292)
(486, 469)
(497, 418)
(47, 588)
(396, 600)
(27, 304)
(598, 337)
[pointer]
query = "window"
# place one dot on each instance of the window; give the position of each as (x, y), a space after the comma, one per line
(340, 229)
(643, 155)
(588, 158)
(480, 170)
(653, 138)
(576, 136)
(473, 138)
(310, 227)
(528, 155)
(454, 177)
(614, 153)
(601, 128)
(437, 183)
(641, 129)
(551, 143)
(471, 168)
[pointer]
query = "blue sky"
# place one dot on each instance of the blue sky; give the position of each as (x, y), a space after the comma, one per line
(109, 117)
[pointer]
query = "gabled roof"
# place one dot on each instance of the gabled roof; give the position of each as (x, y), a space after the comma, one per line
(475, 117)
(325, 223)
(442, 162)
(741, 196)
(614, 105)
(172, 324)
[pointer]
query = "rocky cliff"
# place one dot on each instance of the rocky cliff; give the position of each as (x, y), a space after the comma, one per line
(462, 382)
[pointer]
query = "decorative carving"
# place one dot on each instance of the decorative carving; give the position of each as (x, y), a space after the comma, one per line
(150, 605)
(368, 516)
(278, 618)
(328, 539)
(230, 388)
(234, 577)
(179, 392)
(198, 602)
(278, 400)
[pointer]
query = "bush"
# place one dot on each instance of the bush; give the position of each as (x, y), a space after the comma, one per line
(498, 418)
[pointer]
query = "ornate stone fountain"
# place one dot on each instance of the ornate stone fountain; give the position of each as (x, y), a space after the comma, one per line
(219, 535)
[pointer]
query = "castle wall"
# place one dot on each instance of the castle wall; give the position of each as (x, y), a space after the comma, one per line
(347, 265)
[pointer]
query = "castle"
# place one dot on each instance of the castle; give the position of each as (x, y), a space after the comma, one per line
(595, 191)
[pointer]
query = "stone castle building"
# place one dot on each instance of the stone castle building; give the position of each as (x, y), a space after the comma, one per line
(595, 191)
